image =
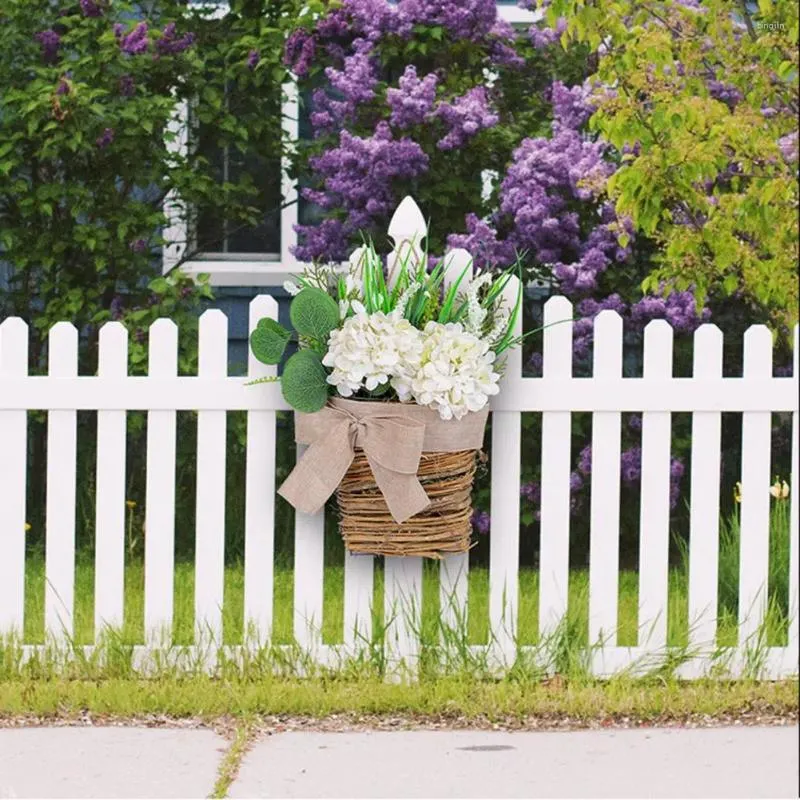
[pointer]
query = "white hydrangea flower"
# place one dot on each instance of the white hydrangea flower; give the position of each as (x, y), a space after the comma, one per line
(370, 350)
(456, 372)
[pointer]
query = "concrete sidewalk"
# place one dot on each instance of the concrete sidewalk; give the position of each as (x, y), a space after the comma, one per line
(140, 762)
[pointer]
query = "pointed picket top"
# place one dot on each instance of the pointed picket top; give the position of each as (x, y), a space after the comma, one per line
(13, 346)
(407, 223)
(356, 260)
(658, 348)
(758, 351)
(455, 262)
(62, 350)
(113, 346)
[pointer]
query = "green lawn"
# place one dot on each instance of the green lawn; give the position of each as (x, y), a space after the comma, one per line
(333, 609)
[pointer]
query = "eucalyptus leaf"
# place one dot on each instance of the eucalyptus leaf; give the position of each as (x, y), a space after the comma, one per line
(268, 341)
(303, 382)
(314, 314)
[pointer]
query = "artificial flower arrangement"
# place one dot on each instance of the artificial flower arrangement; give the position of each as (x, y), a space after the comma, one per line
(391, 385)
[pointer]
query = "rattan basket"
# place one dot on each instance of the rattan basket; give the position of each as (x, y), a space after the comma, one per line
(444, 527)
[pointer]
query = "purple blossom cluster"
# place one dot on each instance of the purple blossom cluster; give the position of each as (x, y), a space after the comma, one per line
(105, 138)
(572, 105)
(464, 117)
(724, 92)
(544, 36)
(788, 147)
(481, 521)
(170, 43)
(583, 328)
(678, 308)
(253, 59)
(299, 51)
(50, 41)
(412, 101)
(482, 243)
(134, 43)
(356, 178)
(89, 8)
(127, 86)
(355, 84)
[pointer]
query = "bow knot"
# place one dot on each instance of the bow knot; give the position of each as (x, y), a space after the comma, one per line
(392, 436)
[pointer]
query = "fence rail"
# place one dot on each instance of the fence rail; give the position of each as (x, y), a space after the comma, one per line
(62, 392)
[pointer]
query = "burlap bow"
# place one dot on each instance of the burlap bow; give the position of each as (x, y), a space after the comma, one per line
(393, 436)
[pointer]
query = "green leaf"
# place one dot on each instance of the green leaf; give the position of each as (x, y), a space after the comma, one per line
(269, 340)
(314, 314)
(303, 383)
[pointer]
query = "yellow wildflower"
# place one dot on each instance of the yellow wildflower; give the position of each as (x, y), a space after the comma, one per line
(737, 491)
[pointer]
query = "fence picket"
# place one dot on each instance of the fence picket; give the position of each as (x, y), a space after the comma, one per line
(504, 509)
(655, 495)
(211, 451)
(159, 538)
(794, 517)
(358, 597)
(110, 505)
(754, 525)
(402, 610)
(454, 569)
(605, 497)
(704, 497)
(555, 487)
(13, 477)
(309, 576)
(259, 513)
(61, 481)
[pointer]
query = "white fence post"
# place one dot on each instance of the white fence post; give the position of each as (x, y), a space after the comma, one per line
(605, 497)
(110, 483)
(655, 495)
(754, 525)
(504, 549)
(159, 536)
(259, 514)
(13, 479)
(555, 482)
(704, 497)
(211, 460)
(61, 477)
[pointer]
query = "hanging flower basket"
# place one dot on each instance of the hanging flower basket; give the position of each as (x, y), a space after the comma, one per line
(391, 386)
(402, 476)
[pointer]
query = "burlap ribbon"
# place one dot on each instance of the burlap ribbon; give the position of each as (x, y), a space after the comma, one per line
(393, 436)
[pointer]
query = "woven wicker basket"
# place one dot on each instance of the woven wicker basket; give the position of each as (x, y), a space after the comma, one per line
(444, 527)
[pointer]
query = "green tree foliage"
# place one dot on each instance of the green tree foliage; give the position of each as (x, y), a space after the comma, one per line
(703, 102)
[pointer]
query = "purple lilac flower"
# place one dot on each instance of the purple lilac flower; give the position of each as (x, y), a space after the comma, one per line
(50, 42)
(788, 147)
(631, 465)
(105, 138)
(253, 57)
(575, 482)
(536, 364)
(531, 492)
(63, 86)
(481, 521)
(127, 86)
(678, 308)
(482, 243)
(585, 460)
(572, 106)
(170, 43)
(138, 246)
(136, 42)
(676, 470)
(545, 36)
(118, 29)
(464, 117)
(355, 84)
(725, 93)
(463, 19)
(635, 422)
(91, 9)
(784, 371)
(357, 178)
(298, 54)
(116, 307)
(413, 100)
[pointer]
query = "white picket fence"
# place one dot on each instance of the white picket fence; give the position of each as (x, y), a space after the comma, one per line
(557, 395)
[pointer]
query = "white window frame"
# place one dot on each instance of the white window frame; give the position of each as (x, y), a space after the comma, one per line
(245, 269)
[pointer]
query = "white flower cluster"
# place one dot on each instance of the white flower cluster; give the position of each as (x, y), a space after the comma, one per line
(443, 367)
(370, 350)
(456, 372)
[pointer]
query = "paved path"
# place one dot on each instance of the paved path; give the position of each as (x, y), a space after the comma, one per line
(131, 762)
